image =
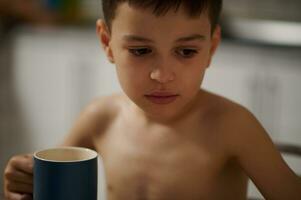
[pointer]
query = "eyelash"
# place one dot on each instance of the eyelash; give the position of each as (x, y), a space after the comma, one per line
(139, 52)
(143, 51)
(192, 52)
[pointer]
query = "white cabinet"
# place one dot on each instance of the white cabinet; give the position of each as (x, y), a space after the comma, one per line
(286, 91)
(56, 73)
(41, 76)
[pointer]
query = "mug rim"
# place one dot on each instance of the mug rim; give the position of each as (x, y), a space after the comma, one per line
(93, 155)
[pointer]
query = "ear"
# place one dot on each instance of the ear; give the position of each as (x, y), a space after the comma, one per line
(215, 41)
(105, 38)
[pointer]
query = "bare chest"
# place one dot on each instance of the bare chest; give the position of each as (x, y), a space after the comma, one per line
(142, 165)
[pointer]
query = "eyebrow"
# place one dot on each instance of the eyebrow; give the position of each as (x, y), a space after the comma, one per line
(136, 38)
(191, 38)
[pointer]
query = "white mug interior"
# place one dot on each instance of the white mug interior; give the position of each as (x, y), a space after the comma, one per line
(66, 154)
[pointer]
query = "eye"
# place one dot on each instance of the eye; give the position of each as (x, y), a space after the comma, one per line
(186, 53)
(140, 51)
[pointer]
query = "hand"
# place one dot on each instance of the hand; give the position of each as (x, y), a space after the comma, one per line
(18, 178)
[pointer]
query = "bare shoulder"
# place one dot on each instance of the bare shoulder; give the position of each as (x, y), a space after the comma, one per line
(225, 109)
(93, 120)
(235, 121)
(102, 108)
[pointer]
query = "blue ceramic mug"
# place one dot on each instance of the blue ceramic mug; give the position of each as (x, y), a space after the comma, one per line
(66, 173)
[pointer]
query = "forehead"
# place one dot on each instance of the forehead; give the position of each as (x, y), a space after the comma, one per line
(144, 21)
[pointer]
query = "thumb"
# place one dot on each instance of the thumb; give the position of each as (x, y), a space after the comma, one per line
(26, 197)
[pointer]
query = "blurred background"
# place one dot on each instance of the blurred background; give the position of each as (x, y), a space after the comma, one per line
(51, 66)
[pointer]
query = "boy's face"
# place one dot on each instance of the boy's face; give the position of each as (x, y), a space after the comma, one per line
(160, 61)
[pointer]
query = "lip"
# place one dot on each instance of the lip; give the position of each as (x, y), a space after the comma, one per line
(161, 97)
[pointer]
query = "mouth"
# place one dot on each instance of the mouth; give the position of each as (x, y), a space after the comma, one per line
(161, 98)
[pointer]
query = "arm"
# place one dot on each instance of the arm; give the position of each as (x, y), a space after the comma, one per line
(261, 160)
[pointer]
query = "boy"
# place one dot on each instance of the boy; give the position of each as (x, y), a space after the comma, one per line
(166, 138)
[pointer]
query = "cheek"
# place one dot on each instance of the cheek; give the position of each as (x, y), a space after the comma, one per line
(192, 80)
(132, 71)
(133, 77)
(204, 57)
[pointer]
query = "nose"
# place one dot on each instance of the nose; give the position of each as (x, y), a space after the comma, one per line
(162, 74)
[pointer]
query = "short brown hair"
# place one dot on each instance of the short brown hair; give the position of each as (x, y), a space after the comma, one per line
(160, 7)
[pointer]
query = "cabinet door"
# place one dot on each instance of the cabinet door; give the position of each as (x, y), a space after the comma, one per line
(281, 96)
(42, 67)
(288, 83)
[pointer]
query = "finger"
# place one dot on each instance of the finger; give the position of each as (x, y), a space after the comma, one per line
(23, 163)
(17, 196)
(13, 196)
(18, 187)
(27, 197)
(19, 176)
